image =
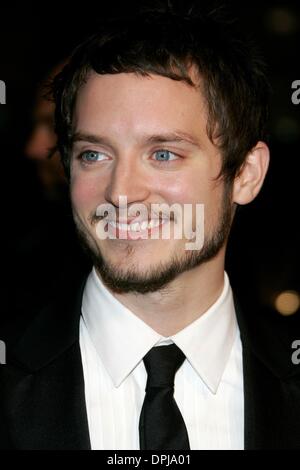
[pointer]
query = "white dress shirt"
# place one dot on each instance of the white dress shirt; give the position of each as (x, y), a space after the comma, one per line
(208, 385)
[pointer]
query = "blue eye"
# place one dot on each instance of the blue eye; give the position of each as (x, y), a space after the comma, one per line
(164, 156)
(90, 156)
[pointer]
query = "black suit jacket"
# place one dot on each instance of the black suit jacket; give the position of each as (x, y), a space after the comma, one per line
(42, 402)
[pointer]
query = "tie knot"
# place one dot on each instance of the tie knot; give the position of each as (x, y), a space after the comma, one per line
(162, 363)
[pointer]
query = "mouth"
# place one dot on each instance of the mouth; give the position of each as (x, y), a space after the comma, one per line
(135, 230)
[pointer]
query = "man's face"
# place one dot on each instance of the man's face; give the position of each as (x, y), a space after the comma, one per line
(145, 138)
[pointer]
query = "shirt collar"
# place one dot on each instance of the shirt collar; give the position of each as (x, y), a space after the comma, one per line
(122, 339)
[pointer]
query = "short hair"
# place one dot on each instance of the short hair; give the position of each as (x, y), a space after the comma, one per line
(168, 43)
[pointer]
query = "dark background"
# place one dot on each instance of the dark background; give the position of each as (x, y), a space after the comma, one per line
(39, 248)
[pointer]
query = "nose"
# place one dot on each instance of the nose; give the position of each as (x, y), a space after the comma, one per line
(127, 179)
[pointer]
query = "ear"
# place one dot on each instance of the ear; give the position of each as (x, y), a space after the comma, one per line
(250, 178)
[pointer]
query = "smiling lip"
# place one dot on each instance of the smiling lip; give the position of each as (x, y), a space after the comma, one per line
(135, 230)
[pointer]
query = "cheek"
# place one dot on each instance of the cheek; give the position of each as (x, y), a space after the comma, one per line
(84, 193)
(188, 188)
(197, 188)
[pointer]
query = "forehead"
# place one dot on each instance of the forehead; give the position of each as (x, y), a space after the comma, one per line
(135, 102)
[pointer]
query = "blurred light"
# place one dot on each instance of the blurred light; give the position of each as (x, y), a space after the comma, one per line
(288, 302)
(282, 20)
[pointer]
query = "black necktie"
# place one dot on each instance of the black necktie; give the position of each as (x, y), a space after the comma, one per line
(161, 424)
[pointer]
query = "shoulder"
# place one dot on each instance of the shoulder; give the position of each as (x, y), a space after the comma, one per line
(33, 338)
(271, 337)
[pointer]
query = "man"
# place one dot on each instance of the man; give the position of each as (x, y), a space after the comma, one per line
(161, 109)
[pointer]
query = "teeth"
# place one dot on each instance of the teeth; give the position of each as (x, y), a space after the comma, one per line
(144, 225)
(136, 226)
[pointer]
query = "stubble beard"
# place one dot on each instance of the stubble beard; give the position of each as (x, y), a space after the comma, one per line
(155, 278)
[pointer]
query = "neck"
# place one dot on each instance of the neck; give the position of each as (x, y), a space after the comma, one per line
(183, 301)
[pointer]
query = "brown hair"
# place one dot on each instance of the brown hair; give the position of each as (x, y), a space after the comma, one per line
(167, 43)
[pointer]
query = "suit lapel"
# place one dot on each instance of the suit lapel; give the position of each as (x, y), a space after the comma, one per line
(263, 405)
(271, 383)
(48, 406)
(45, 384)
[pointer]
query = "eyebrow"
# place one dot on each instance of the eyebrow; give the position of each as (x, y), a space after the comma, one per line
(170, 137)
